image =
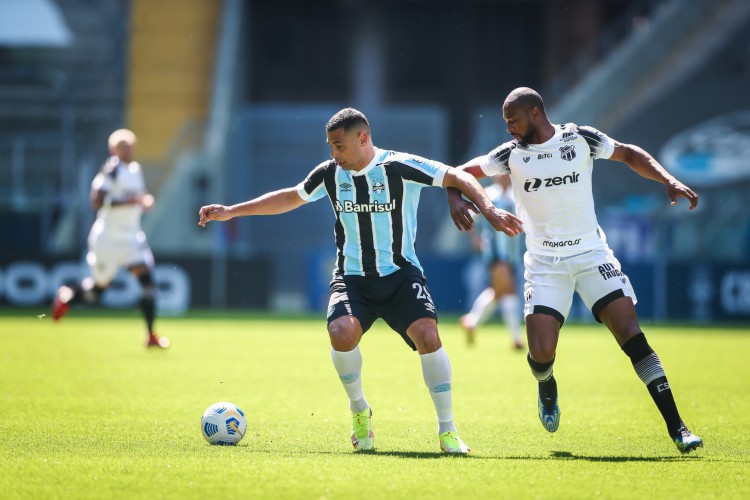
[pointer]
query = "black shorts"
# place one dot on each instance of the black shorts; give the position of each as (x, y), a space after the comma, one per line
(400, 299)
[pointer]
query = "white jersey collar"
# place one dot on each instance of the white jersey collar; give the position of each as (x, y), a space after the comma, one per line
(377, 158)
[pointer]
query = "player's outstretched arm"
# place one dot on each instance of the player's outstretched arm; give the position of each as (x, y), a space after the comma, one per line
(464, 182)
(276, 202)
(647, 166)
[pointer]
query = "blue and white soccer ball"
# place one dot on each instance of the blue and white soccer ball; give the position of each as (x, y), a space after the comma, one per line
(224, 424)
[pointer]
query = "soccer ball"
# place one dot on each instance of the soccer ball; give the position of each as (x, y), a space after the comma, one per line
(224, 424)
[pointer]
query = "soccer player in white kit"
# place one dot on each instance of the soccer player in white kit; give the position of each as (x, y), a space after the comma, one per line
(550, 167)
(118, 194)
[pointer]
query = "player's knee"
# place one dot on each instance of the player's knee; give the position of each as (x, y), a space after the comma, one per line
(542, 352)
(424, 334)
(543, 331)
(344, 333)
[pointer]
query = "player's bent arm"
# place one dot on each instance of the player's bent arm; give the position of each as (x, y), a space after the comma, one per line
(460, 212)
(275, 202)
(466, 184)
(461, 208)
(641, 161)
(96, 197)
(646, 166)
(473, 168)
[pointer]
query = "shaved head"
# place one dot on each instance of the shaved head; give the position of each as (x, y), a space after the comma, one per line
(122, 144)
(524, 98)
(121, 135)
(525, 117)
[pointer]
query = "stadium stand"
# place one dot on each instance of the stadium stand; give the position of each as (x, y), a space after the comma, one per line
(57, 105)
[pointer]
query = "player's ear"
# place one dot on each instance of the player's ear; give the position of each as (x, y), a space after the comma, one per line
(362, 137)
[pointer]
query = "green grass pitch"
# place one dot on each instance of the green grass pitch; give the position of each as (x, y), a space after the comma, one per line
(87, 412)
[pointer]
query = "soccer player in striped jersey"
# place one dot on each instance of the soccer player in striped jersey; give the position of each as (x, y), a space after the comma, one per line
(374, 194)
(116, 240)
(550, 168)
(501, 255)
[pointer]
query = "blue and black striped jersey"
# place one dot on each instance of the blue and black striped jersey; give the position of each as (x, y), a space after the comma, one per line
(375, 208)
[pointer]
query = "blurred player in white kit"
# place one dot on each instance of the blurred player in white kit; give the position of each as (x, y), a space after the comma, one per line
(116, 240)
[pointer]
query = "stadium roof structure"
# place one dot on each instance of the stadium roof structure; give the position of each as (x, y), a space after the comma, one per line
(33, 23)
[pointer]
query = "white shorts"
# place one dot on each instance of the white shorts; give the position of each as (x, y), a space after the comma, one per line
(108, 253)
(550, 282)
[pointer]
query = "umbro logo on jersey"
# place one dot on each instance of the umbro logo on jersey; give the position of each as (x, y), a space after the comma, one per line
(526, 159)
(378, 187)
(345, 187)
(535, 183)
(568, 153)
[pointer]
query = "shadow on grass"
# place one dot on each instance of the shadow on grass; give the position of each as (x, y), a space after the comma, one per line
(555, 455)
(373, 453)
(414, 454)
(422, 455)
(566, 455)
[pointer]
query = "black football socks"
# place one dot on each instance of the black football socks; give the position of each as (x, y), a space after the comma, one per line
(648, 367)
(547, 383)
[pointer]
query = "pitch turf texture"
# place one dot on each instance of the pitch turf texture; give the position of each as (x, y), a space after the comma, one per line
(87, 412)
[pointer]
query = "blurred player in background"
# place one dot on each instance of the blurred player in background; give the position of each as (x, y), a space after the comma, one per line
(551, 168)
(374, 194)
(116, 240)
(501, 254)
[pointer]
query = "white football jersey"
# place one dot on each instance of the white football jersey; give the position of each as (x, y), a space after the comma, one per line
(552, 188)
(120, 181)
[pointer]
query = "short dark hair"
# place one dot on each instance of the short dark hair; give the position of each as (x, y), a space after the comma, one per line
(346, 119)
(526, 98)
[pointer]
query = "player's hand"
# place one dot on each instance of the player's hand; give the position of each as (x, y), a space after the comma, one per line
(676, 189)
(147, 202)
(213, 212)
(504, 221)
(461, 209)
